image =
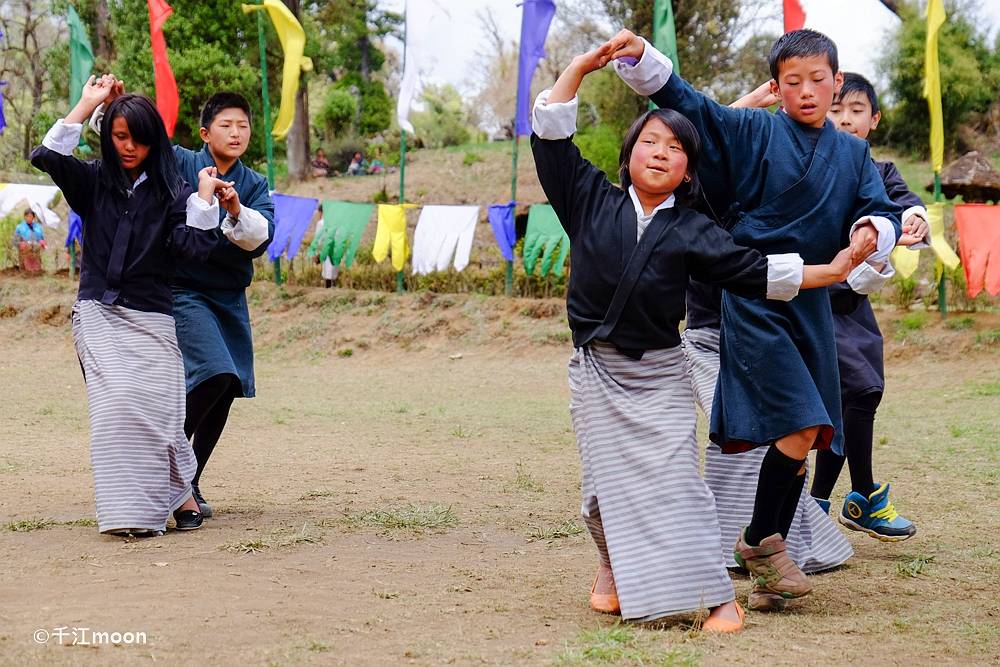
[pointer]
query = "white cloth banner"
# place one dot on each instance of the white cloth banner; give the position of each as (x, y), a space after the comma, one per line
(36, 197)
(443, 233)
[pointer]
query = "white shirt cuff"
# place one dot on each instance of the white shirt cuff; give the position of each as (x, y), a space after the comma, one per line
(886, 237)
(96, 118)
(784, 276)
(248, 231)
(649, 74)
(921, 212)
(63, 137)
(866, 279)
(553, 121)
(201, 214)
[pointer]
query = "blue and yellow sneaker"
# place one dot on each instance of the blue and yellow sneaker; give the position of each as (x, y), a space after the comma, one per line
(876, 516)
(824, 504)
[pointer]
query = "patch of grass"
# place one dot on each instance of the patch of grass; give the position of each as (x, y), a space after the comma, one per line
(913, 566)
(959, 323)
(460, 432)
(346, 352)
(312, 495)
(471, 158)
(318, 647)
(87, 522)
(564, 529)
(989, 338)
(28, 525)
(525, 481)
(912, 321)
(386, 595)
(412, 517)
(273, 541)
(988, 389)
(620, 644)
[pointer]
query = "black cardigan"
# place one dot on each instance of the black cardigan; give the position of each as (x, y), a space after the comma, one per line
(159, 234)
(601, 222)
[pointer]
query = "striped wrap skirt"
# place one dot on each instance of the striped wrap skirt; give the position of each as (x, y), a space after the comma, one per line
(649, 511)
(142, 462)
(814, 541)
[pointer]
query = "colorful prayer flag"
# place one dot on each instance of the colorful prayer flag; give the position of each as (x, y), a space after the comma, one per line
(3, 119)
(293, 44)
(292, 217)
(344, 224)
(932, 81)
(536, 15)
(391, 234)
(795, 16)
(664, 34)
(81, 56)
(546, 237)
(408, 84)
(501, 217)
(978, 228)
(167, 99)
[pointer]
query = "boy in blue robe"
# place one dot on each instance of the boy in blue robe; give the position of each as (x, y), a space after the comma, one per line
(788, 182)
(210, 305)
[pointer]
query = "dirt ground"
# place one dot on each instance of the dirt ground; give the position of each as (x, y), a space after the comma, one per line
(404, 491)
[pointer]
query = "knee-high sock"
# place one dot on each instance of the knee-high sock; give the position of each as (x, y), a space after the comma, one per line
(208, 407)
(778, 474)
(859, 427)
(790, 505)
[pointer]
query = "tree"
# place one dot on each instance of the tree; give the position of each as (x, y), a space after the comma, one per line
(970, 78)
(444, 121)
(297, 141)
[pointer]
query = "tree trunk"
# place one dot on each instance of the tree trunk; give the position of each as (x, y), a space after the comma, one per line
(102, 32)
(297, 141)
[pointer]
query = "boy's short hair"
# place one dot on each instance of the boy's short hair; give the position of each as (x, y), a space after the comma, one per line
(28, 212)
(855, 83)
(801, 44)
(226, 100)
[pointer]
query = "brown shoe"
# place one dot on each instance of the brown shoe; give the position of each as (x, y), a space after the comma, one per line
(606, 603)
(761, 599)
(771, 568)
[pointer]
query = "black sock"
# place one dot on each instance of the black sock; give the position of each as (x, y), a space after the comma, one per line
(777, 475)
(859, 427)
(828, 467)
(788, 510)
(208, 407)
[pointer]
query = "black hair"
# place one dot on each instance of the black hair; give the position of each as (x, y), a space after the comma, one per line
(687, 192)
(146, 127)
(28, 211)
(220, 101)
(801, 44)
(855, 83)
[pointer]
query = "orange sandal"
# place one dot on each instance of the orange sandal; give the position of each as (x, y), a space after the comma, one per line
(606, 603)
(716, 624)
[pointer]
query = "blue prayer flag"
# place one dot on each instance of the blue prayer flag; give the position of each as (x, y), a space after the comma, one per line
(292, 216)
(536, 15)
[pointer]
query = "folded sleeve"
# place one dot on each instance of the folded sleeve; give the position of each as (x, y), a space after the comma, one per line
(201, 214)
(248, 231)
(647, 75)
(75, 178)
(784, 276)
(866, 279)
(555, 120)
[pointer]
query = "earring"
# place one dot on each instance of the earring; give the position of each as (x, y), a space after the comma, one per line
(687, 179)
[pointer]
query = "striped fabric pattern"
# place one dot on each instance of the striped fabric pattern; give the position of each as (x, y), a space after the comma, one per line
(142, 462)
(648, 510)
(814, 541)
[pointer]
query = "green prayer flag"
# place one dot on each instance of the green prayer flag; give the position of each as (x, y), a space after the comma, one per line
(81, 56)
(343, 225)
(545, 236)
(664, 35)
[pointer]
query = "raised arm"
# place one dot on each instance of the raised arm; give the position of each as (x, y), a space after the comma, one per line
(875, 230)
(571, 183)
(75, 178)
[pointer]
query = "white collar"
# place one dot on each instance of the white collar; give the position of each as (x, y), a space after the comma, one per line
(142, 177)
(640, 213)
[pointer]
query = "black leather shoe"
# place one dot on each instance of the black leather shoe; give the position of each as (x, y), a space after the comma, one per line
(188, 519)
(203, 506)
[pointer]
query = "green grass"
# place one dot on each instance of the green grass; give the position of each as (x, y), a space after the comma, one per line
(412, 517)
(624, 645)
(988, 389)
(275, 540)
(524, 481)
(988, 338)
(913, 566)
(312, 495)
(959, 323)
(912, 321)
(564, 529)
(28, 525)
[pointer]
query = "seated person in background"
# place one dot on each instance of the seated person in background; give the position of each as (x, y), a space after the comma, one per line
(357, 166)
(376, 167)
(320, 165)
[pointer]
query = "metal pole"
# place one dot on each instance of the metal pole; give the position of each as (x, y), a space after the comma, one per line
(942, 291)
(268, 139)
(508, 283)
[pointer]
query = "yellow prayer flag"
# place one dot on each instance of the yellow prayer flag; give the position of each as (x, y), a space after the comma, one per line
(932, 81)
(905, 261)
(391, 232)
(293, 44)
(935, 218)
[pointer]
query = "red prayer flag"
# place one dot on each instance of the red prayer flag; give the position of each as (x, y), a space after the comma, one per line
(795, 16)
(978, 227)
(167, 99)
